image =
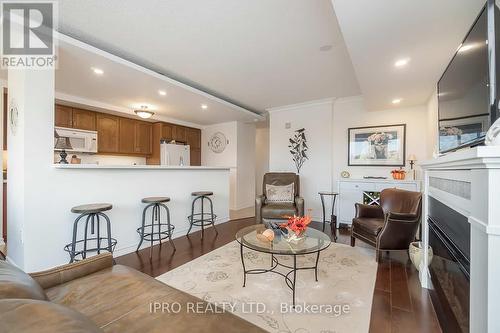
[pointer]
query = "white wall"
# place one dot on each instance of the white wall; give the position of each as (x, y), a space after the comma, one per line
(316, 173)
(351, 112)
(432, 125)
(239, 155)
(261, 154)
(245, 183)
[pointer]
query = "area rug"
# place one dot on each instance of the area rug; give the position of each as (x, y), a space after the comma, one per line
(340, 301)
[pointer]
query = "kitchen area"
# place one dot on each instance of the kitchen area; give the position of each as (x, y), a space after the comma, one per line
(116, 135)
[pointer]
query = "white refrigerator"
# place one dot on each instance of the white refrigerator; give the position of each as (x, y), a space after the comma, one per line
(173, 154)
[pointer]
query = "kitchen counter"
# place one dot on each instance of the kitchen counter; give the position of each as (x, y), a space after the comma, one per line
(136, 167)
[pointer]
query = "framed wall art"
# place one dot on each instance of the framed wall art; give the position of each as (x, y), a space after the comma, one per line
(377, 145)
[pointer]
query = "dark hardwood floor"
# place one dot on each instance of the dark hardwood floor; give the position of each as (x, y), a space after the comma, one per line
(399, 304)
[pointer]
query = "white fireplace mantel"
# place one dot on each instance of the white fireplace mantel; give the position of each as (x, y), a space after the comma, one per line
(468, 181)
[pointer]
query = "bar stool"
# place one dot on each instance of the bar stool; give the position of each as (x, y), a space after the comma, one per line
(163, 230)
(202, 219)
(93, 213)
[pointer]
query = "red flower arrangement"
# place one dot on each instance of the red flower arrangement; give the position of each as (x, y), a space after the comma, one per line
(297, 224)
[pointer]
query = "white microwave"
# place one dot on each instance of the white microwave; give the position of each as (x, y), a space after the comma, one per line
(81, 141)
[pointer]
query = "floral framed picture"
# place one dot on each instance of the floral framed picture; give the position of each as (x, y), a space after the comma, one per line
(377, 145)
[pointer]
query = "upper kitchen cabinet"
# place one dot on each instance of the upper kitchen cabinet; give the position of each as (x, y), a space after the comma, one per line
(63, 116)
(83, 119)
(193, 138)
(127, 136)
(143, 138)
(179, 133)
(167, 132)
(108, 130)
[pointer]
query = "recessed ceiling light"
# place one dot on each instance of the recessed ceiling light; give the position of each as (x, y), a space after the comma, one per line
(396, 101)
(162, 92)
(402, 62)
(97, 71)
(144, 113)
(204, 106)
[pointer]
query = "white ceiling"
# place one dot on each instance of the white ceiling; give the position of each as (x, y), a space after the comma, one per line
(125, 86)
(378, 32)
(258, 53)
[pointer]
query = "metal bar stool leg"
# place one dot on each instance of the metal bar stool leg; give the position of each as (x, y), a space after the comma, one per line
(98, 235)
(108, 227)
(152, 233)
(202, 217)
(142, 229)
(84, 253)
(212, 215)
(192, 216)
(73, 243)
(169, 226)
(158, 220)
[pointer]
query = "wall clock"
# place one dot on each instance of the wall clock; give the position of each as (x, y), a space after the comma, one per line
(218, 142)
(13, 117)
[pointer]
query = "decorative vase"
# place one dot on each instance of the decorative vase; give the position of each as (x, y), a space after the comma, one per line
(416, 254)
(292, 237)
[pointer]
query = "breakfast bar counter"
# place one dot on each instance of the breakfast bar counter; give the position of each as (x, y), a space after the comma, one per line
(124, 186)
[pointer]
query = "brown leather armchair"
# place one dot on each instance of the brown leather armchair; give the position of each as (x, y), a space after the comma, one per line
(265, 211)
(392, 225)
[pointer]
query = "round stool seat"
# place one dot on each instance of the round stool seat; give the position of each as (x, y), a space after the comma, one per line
(92, 208)
(155, 199)
(202, 193)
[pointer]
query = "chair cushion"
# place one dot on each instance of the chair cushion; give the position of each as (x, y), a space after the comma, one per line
(33, 316)
(14, 283)
(278, 210)
(370, 226)
(280, 194)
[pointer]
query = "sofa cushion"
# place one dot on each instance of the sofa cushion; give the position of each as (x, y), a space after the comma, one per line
(367, 225)
(278, 210)
(34, 316)
(120, 299)
(14, 283)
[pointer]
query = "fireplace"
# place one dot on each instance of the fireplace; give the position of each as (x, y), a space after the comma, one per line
(449, 237)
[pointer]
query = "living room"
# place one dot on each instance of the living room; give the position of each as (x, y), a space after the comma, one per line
(250, 166)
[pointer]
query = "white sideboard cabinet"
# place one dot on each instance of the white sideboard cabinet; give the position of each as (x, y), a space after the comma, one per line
(353, 191)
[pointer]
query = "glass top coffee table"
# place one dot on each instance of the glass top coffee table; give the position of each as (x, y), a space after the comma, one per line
(313, 243)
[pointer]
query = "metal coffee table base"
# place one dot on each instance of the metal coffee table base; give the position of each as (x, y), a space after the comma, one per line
(290, 282)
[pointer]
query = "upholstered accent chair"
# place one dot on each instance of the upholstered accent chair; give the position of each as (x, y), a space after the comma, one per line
(390, 226)
(268, 211)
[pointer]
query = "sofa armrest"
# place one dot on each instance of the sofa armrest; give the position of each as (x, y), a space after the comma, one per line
(397, 234)
(369, 211)
(259, 202)
(299, 204)
(69, 272)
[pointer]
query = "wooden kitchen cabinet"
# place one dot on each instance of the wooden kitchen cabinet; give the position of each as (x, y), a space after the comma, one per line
(167, 132)
(193, 138)
(179, 133)
(108, 130)
(143, 138)
(84, 119)
(63, 116)
(127, 136)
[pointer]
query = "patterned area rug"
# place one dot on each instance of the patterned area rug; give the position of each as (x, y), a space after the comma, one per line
(340, 301)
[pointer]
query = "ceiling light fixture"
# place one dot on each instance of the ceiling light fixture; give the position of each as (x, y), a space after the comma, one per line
(204, 106)
(97, 71)
(162, 92)
(396, 101)
(144, 113)
(402, 62)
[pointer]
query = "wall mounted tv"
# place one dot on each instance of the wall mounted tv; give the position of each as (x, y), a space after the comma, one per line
(467, 91)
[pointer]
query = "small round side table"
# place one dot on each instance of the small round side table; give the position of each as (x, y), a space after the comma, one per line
(333, 218)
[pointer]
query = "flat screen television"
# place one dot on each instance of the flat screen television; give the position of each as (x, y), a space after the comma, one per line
(467, 91)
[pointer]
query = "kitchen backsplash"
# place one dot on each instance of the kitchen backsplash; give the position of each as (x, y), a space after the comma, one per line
(104, 159)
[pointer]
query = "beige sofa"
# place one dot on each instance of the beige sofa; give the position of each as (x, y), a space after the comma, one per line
(95, 296)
